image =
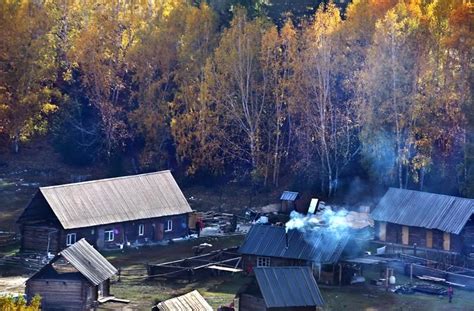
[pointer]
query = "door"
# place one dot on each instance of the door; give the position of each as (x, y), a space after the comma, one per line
(159, 232)
(382, 231)
(446, 241)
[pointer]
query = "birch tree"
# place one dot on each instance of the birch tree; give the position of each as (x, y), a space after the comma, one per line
(237, 90)
(27, 70)
(387, 86)
(326, 126)
(278, 58)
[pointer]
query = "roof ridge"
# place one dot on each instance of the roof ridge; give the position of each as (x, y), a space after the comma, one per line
(426, 192)
(103, 180)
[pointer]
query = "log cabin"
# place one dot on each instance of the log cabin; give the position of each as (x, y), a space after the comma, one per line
(280, 288)
(272, 246)
(74, 280)
(109, 213)
(422, 221)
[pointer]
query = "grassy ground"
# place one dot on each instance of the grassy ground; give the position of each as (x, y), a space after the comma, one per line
(144, 293)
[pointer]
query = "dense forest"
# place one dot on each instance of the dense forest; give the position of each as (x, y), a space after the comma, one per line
(263, 91)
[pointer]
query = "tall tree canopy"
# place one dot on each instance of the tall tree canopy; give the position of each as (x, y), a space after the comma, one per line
(249, 89)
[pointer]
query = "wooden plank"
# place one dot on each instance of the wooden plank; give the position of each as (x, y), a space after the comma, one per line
(112, 298)
(222, 268)
(405, 235)
(382, 231)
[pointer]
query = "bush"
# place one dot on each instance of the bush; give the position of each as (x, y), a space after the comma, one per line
(10, 303)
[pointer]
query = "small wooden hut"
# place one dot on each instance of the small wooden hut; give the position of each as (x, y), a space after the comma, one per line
(271, 246)
(74, 280)
(288, 201)
(281, 288)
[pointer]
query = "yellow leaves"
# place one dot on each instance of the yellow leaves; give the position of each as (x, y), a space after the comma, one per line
(67, 75)
(49, 108)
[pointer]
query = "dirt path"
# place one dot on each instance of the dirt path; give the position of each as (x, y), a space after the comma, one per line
(14, 284)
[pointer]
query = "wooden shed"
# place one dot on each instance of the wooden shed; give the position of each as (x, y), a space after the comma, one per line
(281, 288)
(423, 221)
(288, 201)
(74, 280)
(109, 213)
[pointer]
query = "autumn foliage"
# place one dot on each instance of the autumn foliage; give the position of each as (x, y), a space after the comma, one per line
(381, 88)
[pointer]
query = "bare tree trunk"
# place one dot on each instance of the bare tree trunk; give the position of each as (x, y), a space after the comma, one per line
(16, 142)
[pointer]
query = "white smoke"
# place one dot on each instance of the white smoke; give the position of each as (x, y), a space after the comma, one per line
(328, 219)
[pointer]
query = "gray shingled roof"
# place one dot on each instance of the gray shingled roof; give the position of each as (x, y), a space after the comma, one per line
(270, 241)
(116, 200)
(288, 287)
(424, 209)
(89, 262)
(192, 301)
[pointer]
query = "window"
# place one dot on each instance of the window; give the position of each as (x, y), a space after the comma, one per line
(70, 239)
(169, 226)
(141, 229)
(109, 235)
(263, 262)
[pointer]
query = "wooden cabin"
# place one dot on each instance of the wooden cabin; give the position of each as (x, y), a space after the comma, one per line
(109, 213)
(190, 301)
(74, 280)
(425, 221)
(280, 288)
(272, 246)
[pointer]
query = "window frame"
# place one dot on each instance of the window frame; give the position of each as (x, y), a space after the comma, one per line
(141, 229)
(69, 238)
(169, 225)
(108, 234)
(263, 262)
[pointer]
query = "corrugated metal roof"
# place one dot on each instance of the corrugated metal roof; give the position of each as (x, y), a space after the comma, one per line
(270, 241)
(192, 301)
(115, 200)
(288, 196)
(88, 262)
(424, 209)
(288, 287)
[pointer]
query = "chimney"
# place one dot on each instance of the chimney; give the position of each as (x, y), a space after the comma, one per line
(286, 239)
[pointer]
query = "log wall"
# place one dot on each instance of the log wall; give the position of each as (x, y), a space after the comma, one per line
(251, 303)
(60, 294)
(35, 238)
(435, 239)
(249, 262)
